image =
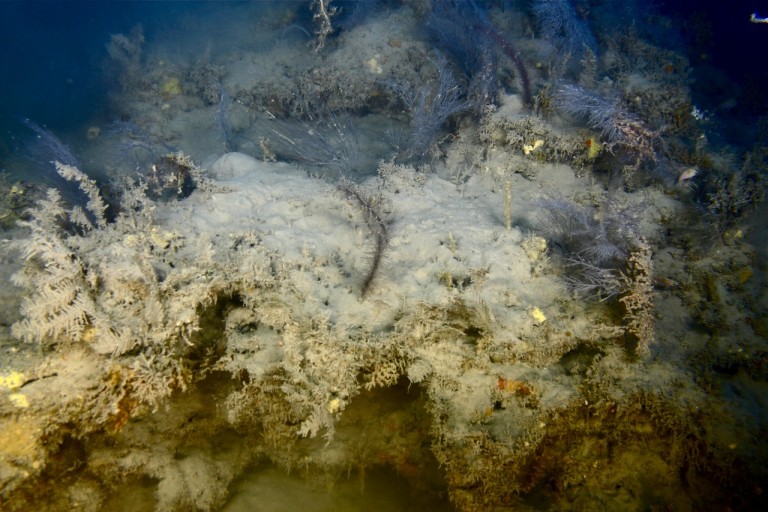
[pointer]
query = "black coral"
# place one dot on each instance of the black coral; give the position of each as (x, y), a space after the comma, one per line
(57, 306)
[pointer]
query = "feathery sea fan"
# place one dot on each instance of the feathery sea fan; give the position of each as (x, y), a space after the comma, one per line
(595, 243)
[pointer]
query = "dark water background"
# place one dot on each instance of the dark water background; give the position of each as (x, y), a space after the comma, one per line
(725, 51)
(54, 55)
(53, 61)
(54, 65)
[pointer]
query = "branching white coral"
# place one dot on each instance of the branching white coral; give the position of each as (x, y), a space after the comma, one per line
(95, 204)
(59, 301)
(114, 288)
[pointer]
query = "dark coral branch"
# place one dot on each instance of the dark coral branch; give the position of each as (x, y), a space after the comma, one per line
(378, 227)
(514, 56)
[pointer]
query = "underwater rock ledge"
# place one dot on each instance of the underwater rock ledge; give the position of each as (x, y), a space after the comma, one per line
(188, 341)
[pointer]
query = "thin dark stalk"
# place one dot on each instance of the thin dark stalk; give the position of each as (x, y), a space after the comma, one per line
(376, 225)
(514, 56)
